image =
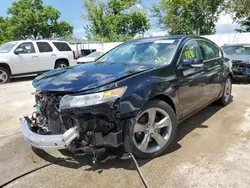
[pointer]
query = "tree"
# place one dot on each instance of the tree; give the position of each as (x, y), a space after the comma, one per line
(240, 10)
(30, 19)
(188, 16)
(5, 35)
(114, 20)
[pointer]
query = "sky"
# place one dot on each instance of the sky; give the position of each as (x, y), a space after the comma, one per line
(71, 10)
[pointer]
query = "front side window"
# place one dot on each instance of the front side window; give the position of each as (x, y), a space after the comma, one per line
(5, 48)
(142, 52)
(209, 51)
(191, 51)
(44, 47)
(27, 48)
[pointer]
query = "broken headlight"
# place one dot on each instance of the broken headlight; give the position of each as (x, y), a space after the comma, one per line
(70, 101)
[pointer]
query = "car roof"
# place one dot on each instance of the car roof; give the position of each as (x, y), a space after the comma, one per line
(42, 40)
(170, 37)
(150, 39)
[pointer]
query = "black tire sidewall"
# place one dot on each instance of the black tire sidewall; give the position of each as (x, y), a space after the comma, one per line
(8, 75)
(166, 107)
(60, 63)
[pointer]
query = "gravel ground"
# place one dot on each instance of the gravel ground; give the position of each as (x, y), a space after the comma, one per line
(212, 149)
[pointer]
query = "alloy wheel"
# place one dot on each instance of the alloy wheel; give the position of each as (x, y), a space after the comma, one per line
(3, 77)
(152, 130)
(227, 91)
(62, 65)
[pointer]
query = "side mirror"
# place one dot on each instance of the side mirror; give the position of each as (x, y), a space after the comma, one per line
(19, 51)
(197, 62)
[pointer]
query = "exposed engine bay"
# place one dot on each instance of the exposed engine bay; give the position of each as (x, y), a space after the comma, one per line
(99, 127)
(241, 69)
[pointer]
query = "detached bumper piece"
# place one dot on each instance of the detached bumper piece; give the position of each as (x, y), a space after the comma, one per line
(60, 141)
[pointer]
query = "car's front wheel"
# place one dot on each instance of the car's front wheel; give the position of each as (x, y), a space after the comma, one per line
(227, 92)
(4, 76)
(154, 130)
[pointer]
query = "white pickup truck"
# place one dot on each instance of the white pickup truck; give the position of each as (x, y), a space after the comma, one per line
(27, 57)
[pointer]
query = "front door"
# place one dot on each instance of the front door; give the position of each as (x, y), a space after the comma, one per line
(25, 61)
(191, 80)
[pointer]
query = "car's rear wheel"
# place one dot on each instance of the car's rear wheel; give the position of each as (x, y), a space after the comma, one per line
(227, 92)
(4, 76)
(154, 130)
(61, 64)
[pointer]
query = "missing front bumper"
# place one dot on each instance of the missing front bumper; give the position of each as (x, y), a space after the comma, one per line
(60, 141)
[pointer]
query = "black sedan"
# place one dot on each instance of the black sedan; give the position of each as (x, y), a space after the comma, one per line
(131, 99)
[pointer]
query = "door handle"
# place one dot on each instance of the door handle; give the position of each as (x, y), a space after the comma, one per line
(34, 57)
(53, 55)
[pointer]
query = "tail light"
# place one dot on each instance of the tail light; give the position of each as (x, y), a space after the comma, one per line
(74, 54)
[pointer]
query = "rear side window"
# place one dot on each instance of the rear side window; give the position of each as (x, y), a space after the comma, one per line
(62, 46)
(44, 47)
(208, 50)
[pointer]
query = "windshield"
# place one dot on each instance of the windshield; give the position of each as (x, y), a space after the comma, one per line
(139, 52)
(239, 51)
(5, 48)
(95, 54)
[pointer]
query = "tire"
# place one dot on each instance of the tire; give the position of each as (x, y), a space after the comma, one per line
(61, 64)
(167, 132)
(4, 76)
(227, 92)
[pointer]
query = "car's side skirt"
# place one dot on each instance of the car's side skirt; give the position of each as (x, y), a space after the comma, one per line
(199, 109)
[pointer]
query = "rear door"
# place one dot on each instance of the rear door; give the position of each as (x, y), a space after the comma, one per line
(47, 56)
(65, 52)
(213, 64)
(191, 80)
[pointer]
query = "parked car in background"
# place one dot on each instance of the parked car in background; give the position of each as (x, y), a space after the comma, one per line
(239, 54)
(89, 58)
(132, 98)
(26, 57)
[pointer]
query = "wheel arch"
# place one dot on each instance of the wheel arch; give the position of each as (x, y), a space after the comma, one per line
(62, 59)
(166, 99)
(6, 66)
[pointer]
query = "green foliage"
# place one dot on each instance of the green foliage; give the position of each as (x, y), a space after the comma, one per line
(30, 19)
(115, 20)
(5, 34)
(188, 16)
(240, 10)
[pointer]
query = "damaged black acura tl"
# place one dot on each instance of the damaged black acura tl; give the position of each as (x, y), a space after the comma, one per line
(131, 99)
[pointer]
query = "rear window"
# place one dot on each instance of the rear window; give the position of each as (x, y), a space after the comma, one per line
(62, 46)
(44, 47)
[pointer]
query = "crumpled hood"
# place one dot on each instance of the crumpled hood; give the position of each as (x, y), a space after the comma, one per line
(239, 58)
(86, 76)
